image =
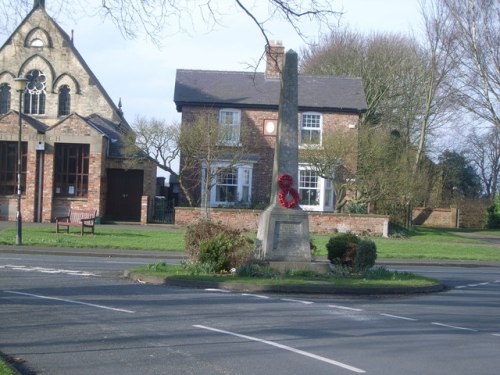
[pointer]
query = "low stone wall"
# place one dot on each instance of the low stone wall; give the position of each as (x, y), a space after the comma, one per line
(435, 217)
(318, 222)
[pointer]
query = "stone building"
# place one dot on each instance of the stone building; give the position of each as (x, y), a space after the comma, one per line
(245, 105)
(71, 132)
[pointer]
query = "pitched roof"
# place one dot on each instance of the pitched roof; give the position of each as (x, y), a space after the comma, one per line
(254, 90)
(68, 41)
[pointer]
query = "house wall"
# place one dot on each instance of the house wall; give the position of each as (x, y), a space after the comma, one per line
(254, 140)
(322, 223)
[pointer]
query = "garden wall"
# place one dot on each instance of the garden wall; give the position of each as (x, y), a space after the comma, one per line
(435, 217)
(318, 222)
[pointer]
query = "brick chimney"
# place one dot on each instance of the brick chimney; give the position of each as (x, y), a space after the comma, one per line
(274, 58)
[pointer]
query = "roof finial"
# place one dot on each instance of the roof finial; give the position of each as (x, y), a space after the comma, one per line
(39, 3)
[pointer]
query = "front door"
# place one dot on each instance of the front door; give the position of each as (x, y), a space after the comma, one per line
(124, 194)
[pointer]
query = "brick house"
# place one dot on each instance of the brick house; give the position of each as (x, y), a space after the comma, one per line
(247, 104)
(72, 132)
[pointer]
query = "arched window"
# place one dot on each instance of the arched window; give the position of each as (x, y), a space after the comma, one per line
(64, 101)
(34, 96)
(4, 98)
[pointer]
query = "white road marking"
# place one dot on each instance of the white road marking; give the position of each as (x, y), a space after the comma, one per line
(293, 350)
(297, 301)
(254, 295)
(398, 317)
(344, 308)
(70, 301)
(49, 270)
(496, 334)
(454, 327)
(217, 290)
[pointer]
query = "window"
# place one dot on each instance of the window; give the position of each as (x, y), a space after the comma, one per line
(310, 130)
(64, 101)
(308, 188)
(4, 98)
(71, 176)
(233, 185)
(229, 127)
(316, 193)
(8, 167)
(226, 187)
(34, 96)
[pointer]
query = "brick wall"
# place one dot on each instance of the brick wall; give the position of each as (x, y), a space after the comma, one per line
(435, 217)
(318, 222)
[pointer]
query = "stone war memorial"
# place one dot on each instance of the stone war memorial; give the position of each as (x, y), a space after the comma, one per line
(283, 231)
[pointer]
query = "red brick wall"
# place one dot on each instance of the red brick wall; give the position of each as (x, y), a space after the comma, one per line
(435, 217)
(318, 222)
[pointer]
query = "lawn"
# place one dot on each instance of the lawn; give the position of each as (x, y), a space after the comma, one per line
(421, 243)
(428, 243)
(105, 237)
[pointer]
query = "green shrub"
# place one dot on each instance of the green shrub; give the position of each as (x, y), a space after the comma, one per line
(342, 248)
(218, 245)
(493, 214)
(366, 254)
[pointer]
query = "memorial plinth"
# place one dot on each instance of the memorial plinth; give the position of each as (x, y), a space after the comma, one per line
(283, 232)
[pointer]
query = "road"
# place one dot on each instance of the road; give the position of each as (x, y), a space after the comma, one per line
(76, 315)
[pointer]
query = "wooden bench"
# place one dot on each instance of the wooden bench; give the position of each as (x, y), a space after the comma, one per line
(77, 218)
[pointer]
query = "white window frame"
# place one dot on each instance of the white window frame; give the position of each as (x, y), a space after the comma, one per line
(324, 189)
(243, 185)
(306, 127)
(229, 132)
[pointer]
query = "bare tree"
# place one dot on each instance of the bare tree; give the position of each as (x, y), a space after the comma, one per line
(483, 151)
(336, 161)
(155, 18)
(474, 33)
(153, 139)
(208, 156)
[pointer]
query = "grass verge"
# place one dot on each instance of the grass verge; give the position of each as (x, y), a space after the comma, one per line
(379, 277)
(104, 238)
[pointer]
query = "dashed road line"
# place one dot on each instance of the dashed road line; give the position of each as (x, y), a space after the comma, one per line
(398, 317)
(285, 347)
(344, 308)
(255, 295)
(217, 290)
(296, 301)
(70, 301)
(454, 327)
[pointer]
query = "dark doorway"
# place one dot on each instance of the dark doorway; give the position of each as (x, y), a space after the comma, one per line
(124, 194)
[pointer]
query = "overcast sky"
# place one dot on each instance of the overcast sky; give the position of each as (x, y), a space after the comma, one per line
(143, 75)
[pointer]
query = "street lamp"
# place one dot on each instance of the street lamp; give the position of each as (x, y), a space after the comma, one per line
(20, 83)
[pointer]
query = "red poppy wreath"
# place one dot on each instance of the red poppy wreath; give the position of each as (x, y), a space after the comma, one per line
(285, 182)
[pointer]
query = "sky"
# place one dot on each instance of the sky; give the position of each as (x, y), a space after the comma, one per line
(142, 74)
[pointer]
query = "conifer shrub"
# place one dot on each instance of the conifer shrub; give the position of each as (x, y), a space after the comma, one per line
(342, 248)
(366, 254)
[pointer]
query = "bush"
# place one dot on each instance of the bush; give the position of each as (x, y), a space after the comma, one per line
(493, 214)
(215, 244)
(366, 254)
(342, 248)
